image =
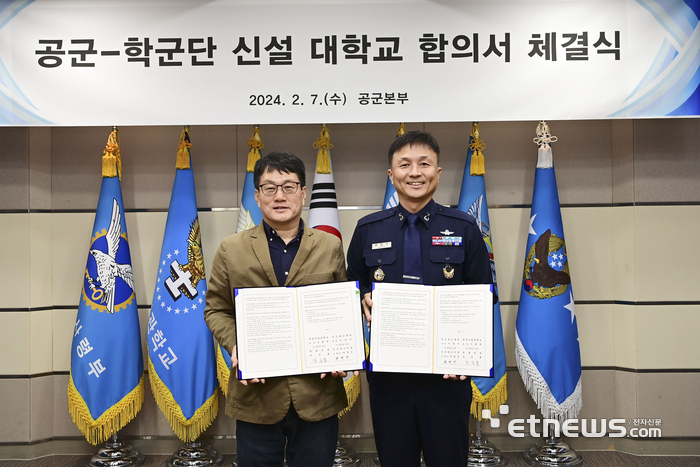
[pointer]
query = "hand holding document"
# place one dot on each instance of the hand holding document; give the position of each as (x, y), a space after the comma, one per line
(432, 329)
(284, 331)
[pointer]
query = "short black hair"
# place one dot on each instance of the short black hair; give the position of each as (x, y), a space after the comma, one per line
(284, 162)
(414, 138)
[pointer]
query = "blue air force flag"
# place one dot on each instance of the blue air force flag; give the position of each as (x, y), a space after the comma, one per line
(487, 393)
(248, 217)
(391, 198)
(546, 335)
(181, 350)
(105, 389)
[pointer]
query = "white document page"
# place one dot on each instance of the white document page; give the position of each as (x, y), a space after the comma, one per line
(432, 329)
(463, 330)
(284, 331)
(267, 332)
(331, 327)
(401, 330)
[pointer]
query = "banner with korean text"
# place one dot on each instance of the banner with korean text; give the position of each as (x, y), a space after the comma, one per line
(418, 60)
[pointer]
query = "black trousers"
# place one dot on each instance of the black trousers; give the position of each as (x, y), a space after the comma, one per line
(306, 444)
(413, 413)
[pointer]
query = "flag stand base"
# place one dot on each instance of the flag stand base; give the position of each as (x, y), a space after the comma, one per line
(195, 454)
(345, 456)
(484, 452)
(552, 452)
(376, 460)
(116, 454)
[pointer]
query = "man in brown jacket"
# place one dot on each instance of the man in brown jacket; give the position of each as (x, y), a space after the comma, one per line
(296, 413)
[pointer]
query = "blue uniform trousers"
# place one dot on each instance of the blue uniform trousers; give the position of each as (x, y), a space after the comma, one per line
(414, 412)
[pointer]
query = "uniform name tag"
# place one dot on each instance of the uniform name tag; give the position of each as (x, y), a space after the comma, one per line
(447, 241)
(381, 246)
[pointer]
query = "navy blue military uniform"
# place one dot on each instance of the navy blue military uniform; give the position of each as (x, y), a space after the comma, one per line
(417, 412)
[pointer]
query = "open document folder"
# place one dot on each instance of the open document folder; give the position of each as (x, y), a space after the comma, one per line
(284, 331)
(445, 329)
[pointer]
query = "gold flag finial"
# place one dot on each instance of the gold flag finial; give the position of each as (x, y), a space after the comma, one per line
(323, 144)
(112, 159)
(255, 144)
(477, 165)
(183, 149)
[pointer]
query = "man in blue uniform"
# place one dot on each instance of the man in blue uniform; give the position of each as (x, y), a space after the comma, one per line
(421, 242)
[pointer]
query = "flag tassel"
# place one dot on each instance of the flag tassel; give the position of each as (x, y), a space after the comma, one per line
(544, 149)
(352, 390)
(477, 165)
(222, 371)
(492, 400)
(111, 160)
(111, 421)
(323, 144)
(539, 390)
(183, 151)
(255, 144)
(187, 430)
(402, 129)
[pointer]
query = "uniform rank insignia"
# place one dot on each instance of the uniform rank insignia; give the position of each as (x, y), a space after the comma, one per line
(447, 241)
(379, 275)
(448, 271)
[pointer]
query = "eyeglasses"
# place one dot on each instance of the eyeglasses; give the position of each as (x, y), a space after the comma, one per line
(288, 188)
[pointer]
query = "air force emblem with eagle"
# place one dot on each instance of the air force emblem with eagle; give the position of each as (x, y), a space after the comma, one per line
(183, 278)
(546, 272)
(109, 277)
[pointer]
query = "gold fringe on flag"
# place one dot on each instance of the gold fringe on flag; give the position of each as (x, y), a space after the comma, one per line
(112, 159)
(492, 400)
(114, 419)
(188, 430)
(352, 390)
(477, 167)
(323, 144)
(222, 370)
(402, 129)
(255, 144)
(183, 151)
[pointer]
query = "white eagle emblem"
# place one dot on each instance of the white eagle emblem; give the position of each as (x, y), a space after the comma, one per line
(107, 267)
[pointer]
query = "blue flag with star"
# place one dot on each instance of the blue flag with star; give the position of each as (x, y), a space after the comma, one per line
(546, 335)
(105, 388)
(487, 393)
(181, 349)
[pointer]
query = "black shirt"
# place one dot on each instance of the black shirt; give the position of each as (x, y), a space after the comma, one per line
(282, 254)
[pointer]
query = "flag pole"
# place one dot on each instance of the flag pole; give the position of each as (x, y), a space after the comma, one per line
(550, 451)
(194, 407)
(484, 452)
(488, 393)
(123, 333)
